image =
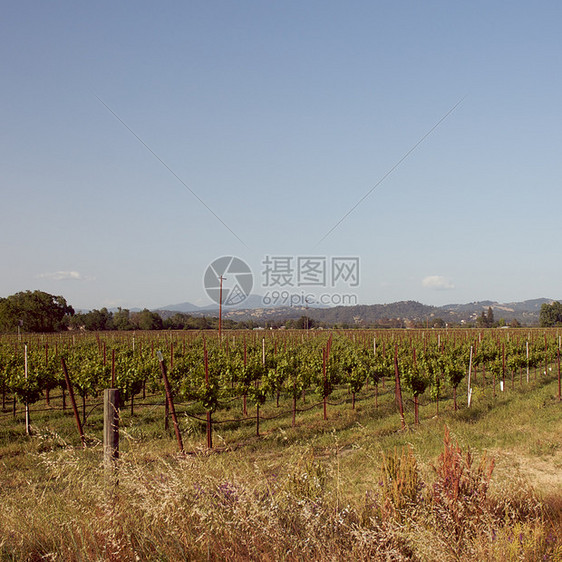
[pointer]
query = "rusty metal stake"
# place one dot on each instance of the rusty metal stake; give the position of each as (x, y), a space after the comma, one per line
(73, 402)
(170, 400)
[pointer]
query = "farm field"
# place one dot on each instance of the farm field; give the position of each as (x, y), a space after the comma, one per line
(319, 451)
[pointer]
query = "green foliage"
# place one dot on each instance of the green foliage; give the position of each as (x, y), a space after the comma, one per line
(486, 319)
(380, 367)
(146, 320)
(551, 314)
(129, 374)
(353, 369)
(303, 323)
(27, 389)
(122, 320)
(294, 377)
(35, 311)
(95, 320)
(436, 376)
(416, 375)
(454, 371)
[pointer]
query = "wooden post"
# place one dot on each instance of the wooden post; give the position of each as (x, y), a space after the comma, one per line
(110, 428)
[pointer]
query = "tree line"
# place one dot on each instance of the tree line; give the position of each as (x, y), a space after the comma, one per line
(38, 311)
(124, 319)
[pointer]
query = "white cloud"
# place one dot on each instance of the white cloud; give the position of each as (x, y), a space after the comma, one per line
(62, 275)
(437, 283)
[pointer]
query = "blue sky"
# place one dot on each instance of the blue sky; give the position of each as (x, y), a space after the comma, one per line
(281, 116)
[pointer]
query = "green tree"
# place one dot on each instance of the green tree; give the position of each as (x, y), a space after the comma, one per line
(35, 311)
(178, 321)
(438, 323)
(551, 314)
(486, 319)
(146, 320)
(481, 320)
(122, 320)
(303, 323)
(490, 317)
(94, 321)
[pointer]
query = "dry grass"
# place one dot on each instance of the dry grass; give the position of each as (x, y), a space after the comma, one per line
(233, 507)
(352, 488)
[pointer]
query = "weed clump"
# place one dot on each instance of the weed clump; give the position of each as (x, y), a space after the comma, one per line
(400, 485)
(456, 516)
(459, 494)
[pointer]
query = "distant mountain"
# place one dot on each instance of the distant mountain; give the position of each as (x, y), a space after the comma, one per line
(397, 314)
(392, 315)
(181, 307)
(529, 305)
(469, 307)
(387, 314)
(250, 303)
(276, 314)
(527, 312)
